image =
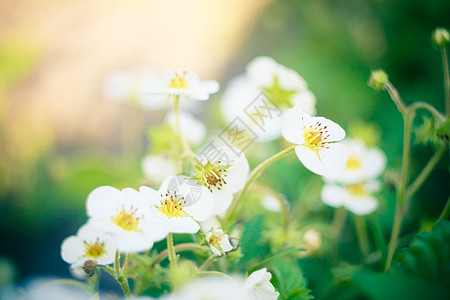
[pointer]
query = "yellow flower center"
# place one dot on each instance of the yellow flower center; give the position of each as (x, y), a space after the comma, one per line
(171, 206)
(357, 189)
(315, 137)
(126, 220)
(178, 82)
(94, 250)
(353, 162)
(214, 240)
(212, 175)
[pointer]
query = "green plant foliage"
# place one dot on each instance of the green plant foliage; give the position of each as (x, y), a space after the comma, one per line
(427, 257)
(252, 244)
(289, 280)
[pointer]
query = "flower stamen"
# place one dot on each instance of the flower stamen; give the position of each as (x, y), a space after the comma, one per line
(94, 250)
(172, 206)
(126, 220)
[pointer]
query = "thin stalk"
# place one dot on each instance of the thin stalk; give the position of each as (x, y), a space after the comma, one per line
(446, 80)
(401, 199)
(186, 148)
(117, 265)
(209, 273)
(178, 248)
(428, 107)
(232, 210)
(446, 212)
(171, 249)
(396, 97)
(412, 189)
(338, 221)
(283, 205)
(125, 265)
(361, 231)
(207, 262)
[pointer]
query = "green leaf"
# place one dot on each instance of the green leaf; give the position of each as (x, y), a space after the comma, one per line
(272, 256)
(289, 281)
(428, 256)
(252, 244)
(389, 286)
(427, 132)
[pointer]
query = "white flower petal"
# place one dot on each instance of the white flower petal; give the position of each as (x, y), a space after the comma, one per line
(261, 71)
(150, 195)
(374, 163)
(334, 160)
(72, 249)
(334, 195)
(203, 206)
(310, 159)
(183, 225)
(294, 121)
(222, 200)
(155, 228)
(306, 100)
(102, 201)
(133, 242)
(215, 250)
(210, 86)
(334, 130)
(362, 205)
(225, 243)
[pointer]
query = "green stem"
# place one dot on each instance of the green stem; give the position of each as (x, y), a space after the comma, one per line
(412, 189)
(171, 250)
(429, 108)
(209, 273)
(446, 212)
(361, 231)
(283, 205)
(446, 80)
(125, 265)
(117, 265)
(338, 221)
(178, 248)
(396, 97)
(401, 199)
(207, 262)
(186, 148)
(232, 210)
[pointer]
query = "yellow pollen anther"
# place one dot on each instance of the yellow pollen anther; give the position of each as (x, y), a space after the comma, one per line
(214, 240)
(353, 162)
(178, 83)
(171, 206)
(315, 137)
(95, 250)
(357, 189)
(126, 220)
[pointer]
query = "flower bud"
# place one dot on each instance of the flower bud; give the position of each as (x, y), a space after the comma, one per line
(90, 266)
(440, 37)
(378, 80)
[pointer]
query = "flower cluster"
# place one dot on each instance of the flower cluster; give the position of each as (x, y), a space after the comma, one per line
(354, 187)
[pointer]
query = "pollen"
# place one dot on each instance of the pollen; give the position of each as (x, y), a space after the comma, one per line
(178, 82)
(353, 162)
(126, 220)
(94, 250)
(214, 175)
(316, 137)
(214, 240)
(357, 189)
(172, 206)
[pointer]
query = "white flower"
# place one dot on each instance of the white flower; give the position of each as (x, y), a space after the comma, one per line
(224, 172)
(258, 283)
(88, 244)
(179, 204)
(192, 129)
(49, 289)
(363, 163)
(127, 215)
(157, 167)
(284, 86)
(315, 138)
(218, 241)
(184, 83)
(356, 197)
(217, 288)
(269, 202)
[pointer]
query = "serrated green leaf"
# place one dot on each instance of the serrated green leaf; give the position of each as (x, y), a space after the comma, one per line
(428, 256)
(289, 280)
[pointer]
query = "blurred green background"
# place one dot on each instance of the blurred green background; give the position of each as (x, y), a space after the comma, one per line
(59, 137)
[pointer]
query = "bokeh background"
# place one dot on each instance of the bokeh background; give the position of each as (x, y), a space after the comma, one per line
(60, 137)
